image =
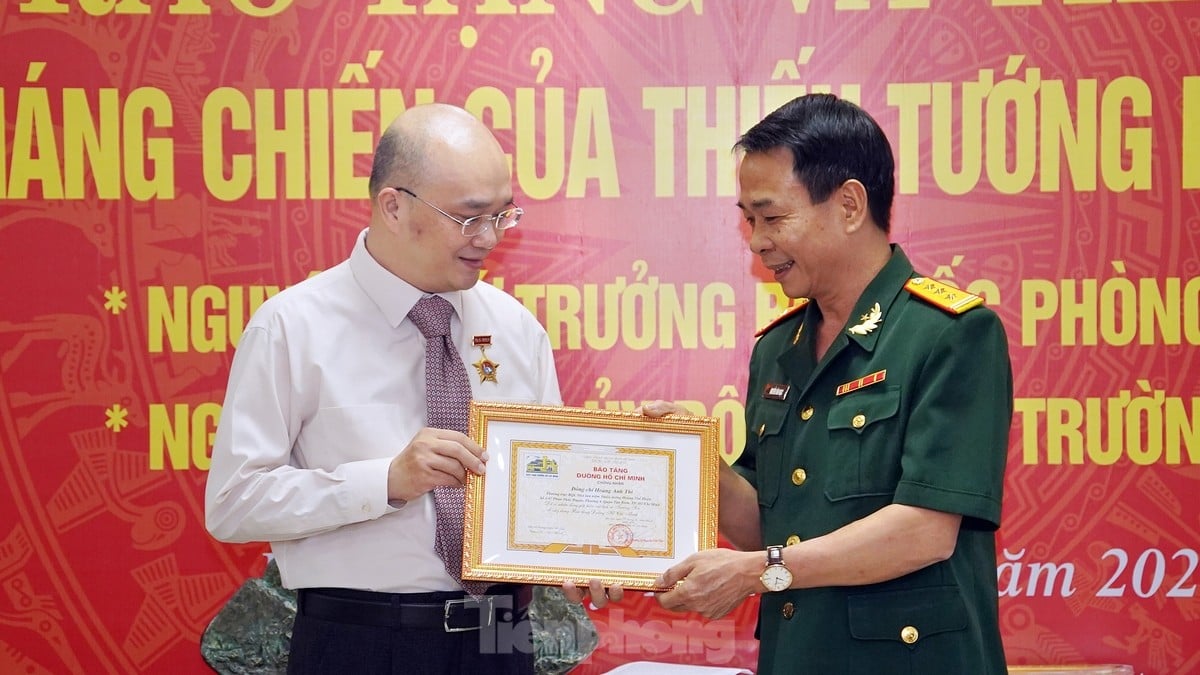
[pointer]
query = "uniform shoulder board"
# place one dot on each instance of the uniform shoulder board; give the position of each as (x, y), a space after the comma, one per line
(943, 296)
(800, 304)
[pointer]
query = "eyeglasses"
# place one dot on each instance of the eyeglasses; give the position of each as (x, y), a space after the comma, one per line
(475, 225)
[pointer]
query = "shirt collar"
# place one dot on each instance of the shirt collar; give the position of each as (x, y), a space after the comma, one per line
(869, 318)
(393, 296)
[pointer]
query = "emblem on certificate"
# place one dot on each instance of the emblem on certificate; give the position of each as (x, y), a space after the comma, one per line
(486, 368)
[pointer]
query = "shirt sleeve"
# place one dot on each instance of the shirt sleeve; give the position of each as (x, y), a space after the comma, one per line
(255, 492)
(548, 373)
(957, 446)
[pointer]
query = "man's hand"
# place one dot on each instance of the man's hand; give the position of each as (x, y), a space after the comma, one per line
(433, 457)
(712, 582)
(600, 595)
(662, 409)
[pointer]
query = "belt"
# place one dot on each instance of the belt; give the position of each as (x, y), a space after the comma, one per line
(451, 612)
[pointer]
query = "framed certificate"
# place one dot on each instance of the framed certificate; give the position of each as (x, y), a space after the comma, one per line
(573, 494)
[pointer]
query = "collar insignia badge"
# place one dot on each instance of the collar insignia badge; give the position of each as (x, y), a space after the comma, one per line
(868, 322)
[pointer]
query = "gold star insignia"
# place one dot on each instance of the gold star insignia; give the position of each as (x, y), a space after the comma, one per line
(487, 369)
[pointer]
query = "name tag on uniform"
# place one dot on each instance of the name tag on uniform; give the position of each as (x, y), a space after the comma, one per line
(861, 382)
(776, 392)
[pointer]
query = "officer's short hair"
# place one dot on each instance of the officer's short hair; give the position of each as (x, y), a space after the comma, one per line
(832, 140)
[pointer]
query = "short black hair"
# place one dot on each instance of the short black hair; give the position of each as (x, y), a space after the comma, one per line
(396, 158)
(832, 141)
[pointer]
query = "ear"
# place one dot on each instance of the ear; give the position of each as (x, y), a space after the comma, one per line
(852, 204)
(391, 208)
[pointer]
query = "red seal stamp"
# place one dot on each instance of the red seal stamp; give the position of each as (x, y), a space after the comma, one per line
(620, 535)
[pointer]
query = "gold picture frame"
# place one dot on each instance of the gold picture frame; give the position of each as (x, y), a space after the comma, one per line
(573, 494)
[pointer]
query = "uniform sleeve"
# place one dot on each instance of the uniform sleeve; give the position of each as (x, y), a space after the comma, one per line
(956, 448)
(254, 490)
(746, 464)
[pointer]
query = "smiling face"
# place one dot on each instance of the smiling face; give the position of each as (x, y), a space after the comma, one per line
(452, 161)
(803, 244)
(440, 258)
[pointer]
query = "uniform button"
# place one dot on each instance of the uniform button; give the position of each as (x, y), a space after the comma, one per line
(761, 428)
(793, 540)
(807, 413)
(909, 635)
(799, 476)
(789, 610)
(859, 421)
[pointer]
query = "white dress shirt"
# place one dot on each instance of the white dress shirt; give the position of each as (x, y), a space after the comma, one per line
(326, 387)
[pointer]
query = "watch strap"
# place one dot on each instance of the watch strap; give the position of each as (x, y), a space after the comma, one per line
(774, 555)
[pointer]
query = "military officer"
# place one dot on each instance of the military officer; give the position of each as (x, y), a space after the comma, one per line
(866, 500)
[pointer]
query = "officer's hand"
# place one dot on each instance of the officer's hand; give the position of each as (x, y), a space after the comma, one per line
(600, 595)
(711, 582)
(433, 457)
(661, 409)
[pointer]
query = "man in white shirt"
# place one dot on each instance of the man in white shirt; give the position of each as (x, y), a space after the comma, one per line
(323, 449)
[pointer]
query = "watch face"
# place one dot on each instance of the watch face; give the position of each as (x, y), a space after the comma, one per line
(776, 578)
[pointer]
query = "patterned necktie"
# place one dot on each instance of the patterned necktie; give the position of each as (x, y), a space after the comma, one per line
(447, 393)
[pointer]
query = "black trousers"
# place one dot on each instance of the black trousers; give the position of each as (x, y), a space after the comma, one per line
(359, 632)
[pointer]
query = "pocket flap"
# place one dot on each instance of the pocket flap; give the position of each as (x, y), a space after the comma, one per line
(906, 616)
(863, 408)
(769, 419)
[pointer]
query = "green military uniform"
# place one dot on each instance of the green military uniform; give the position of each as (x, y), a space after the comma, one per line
(910, 405)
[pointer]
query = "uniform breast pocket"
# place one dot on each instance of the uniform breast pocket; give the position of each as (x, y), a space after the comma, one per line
(766, 440)
(866, 437)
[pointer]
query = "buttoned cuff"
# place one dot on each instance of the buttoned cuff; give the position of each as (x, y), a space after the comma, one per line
(366, 483)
